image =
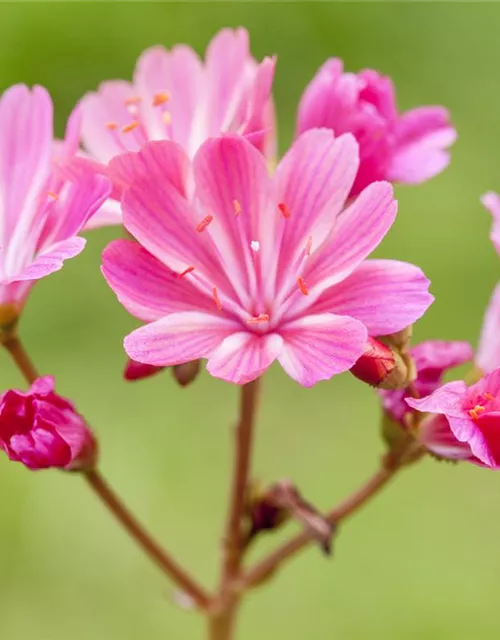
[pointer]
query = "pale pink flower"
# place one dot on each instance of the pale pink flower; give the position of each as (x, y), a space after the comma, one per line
(488, 352)
(175, 96)
(491, 201)
(467, 424)
(432, 360)
(41, 213)
(257, 269)
(407, 147)
(41, 429)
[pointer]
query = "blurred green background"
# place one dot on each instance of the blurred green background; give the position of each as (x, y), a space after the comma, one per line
(422, 561)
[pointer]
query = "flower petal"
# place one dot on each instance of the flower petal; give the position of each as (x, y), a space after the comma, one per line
(244, 356)
(491, 201)
(423, 135)
(488, 351)
(50, 260)
(446, 400)
(178, 338)
(385, 295)
(320, 346)
(145, 287)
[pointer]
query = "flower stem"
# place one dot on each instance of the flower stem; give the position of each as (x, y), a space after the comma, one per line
(97, 483)
(144, 540)
(242, 460)
(392, 463)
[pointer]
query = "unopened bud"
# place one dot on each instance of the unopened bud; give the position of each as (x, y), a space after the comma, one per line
(137, 370)
(186, 372)
(400, 340)
(382, 367)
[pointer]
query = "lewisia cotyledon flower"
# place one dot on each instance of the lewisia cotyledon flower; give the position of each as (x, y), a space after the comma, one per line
(41, 429)
(466, 421)
(175, 96)
(410, 147)
(257, 268)
(432, 360)
(41, 212)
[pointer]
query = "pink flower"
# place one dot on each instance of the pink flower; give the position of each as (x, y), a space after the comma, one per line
(491, 201)
(257, 269)
(432, 359)
(488, 352)
(175, 96)
(41, 213)
(41, 429)
(467, 424)
(408, 147)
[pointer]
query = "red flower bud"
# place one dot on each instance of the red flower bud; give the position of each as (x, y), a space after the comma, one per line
(381, 366)
(41, 429)
(137, 370)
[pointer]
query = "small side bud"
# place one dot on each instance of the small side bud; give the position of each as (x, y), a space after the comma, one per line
(9, 315)
(43, 430)
(400, 340)
(382, 367)
(137, 370)
(187, 372)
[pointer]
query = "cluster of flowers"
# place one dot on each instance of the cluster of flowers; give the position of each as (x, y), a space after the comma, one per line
(237, 258)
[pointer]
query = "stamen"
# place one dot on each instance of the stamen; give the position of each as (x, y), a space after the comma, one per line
(52, 195)
(166, 117)
(237, 207)
(112, 126)
(308, 246)
(255, 246)
(262, 317)
(488, 396)
(204, 223)
(132, 100)
(130, 127)
(160, 98)
(186, 271)
(216, 299)
(302, 286)
(474, 413)
(285, 211)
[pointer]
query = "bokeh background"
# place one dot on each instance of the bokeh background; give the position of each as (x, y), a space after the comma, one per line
(423, 560)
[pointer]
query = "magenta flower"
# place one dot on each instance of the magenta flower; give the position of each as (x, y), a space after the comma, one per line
(257, 269)
(491, 201)
(41, 213)
(488, 352)
(467, 424)
(408, 147)
(432, 360)
(175, 96)
(41, 429)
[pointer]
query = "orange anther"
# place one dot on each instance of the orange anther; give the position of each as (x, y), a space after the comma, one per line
(285, 211)
(474, 413)
(488, 396)
(186, 271)
(216, 298)
(130, 127)
(308, 246)
(302, 286)
(204, 223)
(262, 317)
(166, 117)
(160, 98)
(112, 126)
(237, 207)
(52, 195)
(132, 100)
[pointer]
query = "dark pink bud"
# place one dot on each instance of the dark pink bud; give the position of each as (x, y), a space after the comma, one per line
(137, 370)
(41, 429)
(380, 366)
(186, 372)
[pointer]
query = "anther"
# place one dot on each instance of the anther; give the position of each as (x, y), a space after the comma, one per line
(166, 117)
(488, 396)
(132, 100)
(255, 246)
(302, 286)
(284, 210)
(160, 98)
(112, 126)
(237, 207)
(474, 413)
(308, 246)
(262, 317)
(204, 223)
(186, 271)
(130, 127)
(216, 298)
(52, 195)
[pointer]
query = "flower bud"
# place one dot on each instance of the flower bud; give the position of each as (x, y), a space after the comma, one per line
(41, 429)
(187, 372)
(137, 370)
(382, 367)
